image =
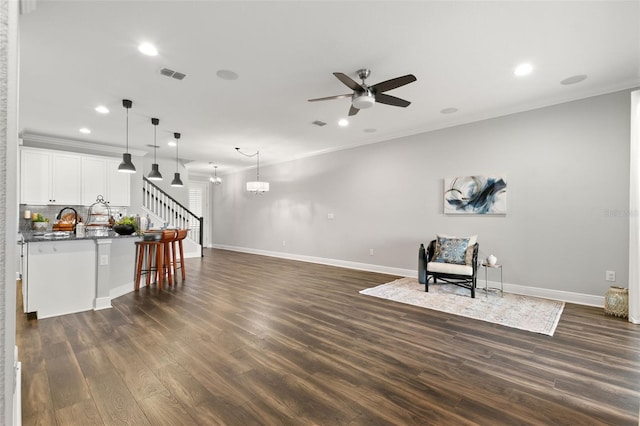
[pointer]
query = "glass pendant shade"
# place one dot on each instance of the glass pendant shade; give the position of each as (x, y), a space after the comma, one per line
(258, 187)
(126, 166)
(154, 174)
(177, 182)
(215, 179)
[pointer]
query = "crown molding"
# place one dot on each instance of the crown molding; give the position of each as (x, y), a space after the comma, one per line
(75, 144)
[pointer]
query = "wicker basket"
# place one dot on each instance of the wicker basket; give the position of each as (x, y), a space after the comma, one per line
(616, 302)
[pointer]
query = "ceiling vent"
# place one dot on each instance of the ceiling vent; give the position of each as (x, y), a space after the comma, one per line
(171, 73)
(319, 123)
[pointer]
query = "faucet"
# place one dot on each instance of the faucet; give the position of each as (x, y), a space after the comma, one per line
(75, 222)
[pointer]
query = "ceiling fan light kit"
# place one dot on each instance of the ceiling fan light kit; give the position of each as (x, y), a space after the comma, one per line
(364, 97)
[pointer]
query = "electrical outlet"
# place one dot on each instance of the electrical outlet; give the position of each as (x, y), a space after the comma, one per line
(104, 259)
(284, 243)
(330, 216)
(370, 252)
(610, 275)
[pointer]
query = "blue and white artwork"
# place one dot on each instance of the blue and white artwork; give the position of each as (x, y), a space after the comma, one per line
(475, 195)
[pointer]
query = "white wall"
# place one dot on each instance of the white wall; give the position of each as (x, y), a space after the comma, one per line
(568, 194)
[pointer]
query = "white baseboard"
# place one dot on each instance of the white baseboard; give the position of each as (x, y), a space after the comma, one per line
(121, 290)
(101, 303)
(324, 261)
(545, 293)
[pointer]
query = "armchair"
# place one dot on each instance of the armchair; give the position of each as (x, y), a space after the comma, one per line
(461, 270)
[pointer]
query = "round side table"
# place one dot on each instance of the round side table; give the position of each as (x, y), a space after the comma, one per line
(486, 267)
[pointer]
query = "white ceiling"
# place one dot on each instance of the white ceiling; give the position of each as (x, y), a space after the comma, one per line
(76, 55)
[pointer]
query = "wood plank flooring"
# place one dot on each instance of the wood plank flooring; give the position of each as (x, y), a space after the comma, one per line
(253, 340)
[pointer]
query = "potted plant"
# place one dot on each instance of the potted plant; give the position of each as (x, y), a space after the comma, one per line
(126, 226)
(40, 223)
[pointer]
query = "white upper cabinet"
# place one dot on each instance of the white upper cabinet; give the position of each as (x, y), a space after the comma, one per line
(94, 181)
(49, 177)
(57, 177)
(35, 174)
(118, 185)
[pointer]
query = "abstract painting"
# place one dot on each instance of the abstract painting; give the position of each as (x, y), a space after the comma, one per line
(475, 195)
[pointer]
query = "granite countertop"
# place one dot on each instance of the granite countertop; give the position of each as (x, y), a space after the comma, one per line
(37, 237)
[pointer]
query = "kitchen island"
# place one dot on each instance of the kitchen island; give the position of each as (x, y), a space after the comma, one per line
(67, 274)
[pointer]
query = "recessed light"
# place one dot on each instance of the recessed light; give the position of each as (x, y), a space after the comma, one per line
(227, 75)
(369, 130)
(573, 79)
(102, 109)
(448, 110)
(523, 69)
(343, 123)
(85, 131)
(148, 49)
(172, 142)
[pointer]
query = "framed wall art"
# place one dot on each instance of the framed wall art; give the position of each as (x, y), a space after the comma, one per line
(475, 195)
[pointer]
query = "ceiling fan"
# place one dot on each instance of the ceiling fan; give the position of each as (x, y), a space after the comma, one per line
(364, 96)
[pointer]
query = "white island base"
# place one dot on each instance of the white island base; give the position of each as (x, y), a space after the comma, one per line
(74, 275)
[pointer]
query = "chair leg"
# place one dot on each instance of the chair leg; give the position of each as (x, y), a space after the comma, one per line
(159, 266)
(181, 259)
(139, 261)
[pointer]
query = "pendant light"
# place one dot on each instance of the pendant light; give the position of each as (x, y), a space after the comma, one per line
(215, 179)
(154, 174)
(127, 166)
(257, 187)
(177, 182)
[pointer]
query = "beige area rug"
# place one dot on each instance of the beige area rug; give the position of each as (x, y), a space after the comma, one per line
(513, 310)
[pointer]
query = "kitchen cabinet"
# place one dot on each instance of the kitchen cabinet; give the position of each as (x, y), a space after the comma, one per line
(118, 185)
(60, 277)
(100, 176)
(70, 179)
(50, 177)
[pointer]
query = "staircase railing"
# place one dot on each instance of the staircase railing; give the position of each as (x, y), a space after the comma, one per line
(174, 214)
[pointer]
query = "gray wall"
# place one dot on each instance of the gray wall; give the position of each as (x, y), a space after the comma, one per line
(567, 169)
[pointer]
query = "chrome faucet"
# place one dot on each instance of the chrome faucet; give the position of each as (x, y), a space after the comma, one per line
(75, 222)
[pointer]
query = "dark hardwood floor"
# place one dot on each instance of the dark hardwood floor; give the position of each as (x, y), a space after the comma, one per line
(250, 340)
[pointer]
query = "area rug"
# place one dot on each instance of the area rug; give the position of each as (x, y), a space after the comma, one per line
(513, 310)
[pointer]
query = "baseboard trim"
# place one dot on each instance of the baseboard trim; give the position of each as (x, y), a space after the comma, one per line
(324, 261)
(564, 296)
(120, 291)
(101, 303)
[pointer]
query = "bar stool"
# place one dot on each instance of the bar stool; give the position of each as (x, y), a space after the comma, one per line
(160, 251)
(148, 249)
(165, 244)
(180, 235)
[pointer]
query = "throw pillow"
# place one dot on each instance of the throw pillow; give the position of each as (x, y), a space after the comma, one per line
(452, 250)
(473, 239)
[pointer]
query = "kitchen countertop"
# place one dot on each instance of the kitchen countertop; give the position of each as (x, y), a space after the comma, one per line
(37, 237)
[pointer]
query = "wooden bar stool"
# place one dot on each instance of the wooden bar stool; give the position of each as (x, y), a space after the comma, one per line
(181, 235)
(165, 244)
(148, 249)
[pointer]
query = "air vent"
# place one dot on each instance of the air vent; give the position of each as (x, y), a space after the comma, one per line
(171, 73)
(319, 123)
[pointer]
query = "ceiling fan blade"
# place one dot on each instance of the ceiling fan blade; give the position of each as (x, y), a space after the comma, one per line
(348, 82)
(353, 111)
(391, 100)
(383, 86)
(348, 95)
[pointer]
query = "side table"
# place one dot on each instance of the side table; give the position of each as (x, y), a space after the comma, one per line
(486, 267)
